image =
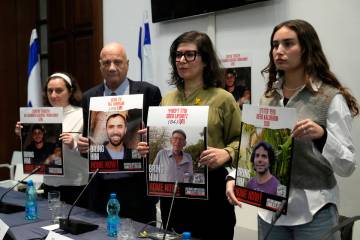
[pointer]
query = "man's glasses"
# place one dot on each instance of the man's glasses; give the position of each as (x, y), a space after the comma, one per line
(189, 56)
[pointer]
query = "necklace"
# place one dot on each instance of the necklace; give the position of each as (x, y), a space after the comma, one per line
(292, 89)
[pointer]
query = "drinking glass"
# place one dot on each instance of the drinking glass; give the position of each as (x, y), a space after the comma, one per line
(54, 204)
(127, 229)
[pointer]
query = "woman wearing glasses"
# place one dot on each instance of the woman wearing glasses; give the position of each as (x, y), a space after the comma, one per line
(197, 76)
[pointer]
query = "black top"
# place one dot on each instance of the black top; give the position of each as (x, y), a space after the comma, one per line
(40, 154)
(238, 92)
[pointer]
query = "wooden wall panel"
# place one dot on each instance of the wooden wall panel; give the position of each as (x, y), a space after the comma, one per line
(83, 16)
(83, 39)
(57, 17)
(83, 57)
(17, 18)
(58, 59)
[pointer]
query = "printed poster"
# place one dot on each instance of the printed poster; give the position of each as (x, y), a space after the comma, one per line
(176, 138)
(40, 142)
(113, 125)
(264, 165)
(238, 76)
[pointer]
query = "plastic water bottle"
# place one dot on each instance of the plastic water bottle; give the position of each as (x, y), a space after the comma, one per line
(186, 236)
(31, 204)
(113, 219)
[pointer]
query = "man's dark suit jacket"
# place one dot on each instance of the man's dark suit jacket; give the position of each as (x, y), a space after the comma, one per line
(131, 188)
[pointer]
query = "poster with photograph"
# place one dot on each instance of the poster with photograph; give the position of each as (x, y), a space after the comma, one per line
(237, 76)
(40, 142)
(264, 165)
(113, 138)
(176, 138)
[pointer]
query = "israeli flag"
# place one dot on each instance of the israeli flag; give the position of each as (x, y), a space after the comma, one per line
(144, 51)
(34, 79)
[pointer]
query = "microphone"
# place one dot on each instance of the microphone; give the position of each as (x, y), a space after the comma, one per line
(8, 208)
(73, 226)
(275, 217)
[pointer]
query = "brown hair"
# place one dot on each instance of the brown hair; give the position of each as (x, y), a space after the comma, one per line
(313, 59)
(74, 89)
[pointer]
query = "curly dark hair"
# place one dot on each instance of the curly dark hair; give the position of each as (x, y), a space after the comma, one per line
(268, 148)
(213, 75)
(74, 89)
(313, 58)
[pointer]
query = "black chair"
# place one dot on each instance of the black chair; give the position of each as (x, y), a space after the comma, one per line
(345, 227)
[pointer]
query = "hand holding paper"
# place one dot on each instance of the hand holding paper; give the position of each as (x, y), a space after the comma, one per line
(214, 157)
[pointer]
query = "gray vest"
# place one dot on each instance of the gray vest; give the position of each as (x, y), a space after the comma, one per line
(310, 170)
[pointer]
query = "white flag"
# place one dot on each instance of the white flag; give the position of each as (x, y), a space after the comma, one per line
(34, 79)
(144, 51)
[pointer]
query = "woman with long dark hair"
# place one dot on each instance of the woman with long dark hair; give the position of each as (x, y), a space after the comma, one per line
(299, 77)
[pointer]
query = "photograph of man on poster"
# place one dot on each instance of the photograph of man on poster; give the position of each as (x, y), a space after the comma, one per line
(238, 83)
(114, 147)
(175, 164)
(262, 158)
(41, 149)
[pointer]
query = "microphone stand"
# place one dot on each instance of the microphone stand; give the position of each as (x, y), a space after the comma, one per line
(73, 226)
(12, 208)
(275, 217)
(171, 206)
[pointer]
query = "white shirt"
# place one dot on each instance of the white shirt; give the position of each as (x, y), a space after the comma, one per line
(76, 168)
(170, 171)
(123, 89)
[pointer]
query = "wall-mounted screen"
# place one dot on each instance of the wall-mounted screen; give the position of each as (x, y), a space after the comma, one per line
(173, 9)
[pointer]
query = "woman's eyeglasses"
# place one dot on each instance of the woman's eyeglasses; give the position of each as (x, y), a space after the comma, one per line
(189, 56)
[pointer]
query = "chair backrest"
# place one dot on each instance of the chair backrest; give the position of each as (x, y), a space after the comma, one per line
(348, 227)
(16, 158)
(356, 230)
(346, 230)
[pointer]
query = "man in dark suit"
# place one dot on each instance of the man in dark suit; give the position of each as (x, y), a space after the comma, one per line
(130, 188)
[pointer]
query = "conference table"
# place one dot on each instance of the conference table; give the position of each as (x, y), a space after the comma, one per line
(21, 229)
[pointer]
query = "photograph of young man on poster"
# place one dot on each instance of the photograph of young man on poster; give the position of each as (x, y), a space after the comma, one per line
(262, 158)
(175, 164)
(238, 83)
(41, 149)
(114, 147)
